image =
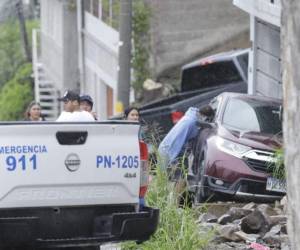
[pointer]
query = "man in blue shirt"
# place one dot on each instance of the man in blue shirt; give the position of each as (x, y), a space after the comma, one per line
(184, 130)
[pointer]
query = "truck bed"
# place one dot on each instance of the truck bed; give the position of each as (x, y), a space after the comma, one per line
(54, 164)
(72, 185)
(158, 116)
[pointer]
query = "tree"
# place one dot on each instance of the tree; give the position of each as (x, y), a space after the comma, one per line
(16, 94)
(23, 31)
(290, 40)
(141, 42)
(11, 56)
(7, 10)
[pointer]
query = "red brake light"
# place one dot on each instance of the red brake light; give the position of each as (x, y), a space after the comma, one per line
(176, 116)
(143, 151)
(143, 191)
(206, 62)
(144, 176)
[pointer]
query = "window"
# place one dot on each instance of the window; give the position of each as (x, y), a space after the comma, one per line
(105, 10)
(87, 5)
(252, 115)
(209, 75)
(110, 12)
(95, 8)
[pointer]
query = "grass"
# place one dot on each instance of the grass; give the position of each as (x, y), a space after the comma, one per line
(178, 228)
(277, 168)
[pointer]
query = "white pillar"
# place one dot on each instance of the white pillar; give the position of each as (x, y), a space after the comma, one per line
(252, 60)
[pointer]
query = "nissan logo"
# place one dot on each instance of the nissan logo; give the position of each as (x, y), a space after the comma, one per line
(72, 162)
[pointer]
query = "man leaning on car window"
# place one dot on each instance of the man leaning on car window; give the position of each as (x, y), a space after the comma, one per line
(186, 129)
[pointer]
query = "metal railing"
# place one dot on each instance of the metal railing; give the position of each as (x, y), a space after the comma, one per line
(45, 91)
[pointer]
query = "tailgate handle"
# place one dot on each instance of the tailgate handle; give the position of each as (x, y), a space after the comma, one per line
(71, 138)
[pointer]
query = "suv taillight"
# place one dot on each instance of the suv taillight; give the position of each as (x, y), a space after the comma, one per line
(144, 177)
(176, 116)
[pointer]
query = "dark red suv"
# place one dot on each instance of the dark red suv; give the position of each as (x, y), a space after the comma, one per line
(234, 152)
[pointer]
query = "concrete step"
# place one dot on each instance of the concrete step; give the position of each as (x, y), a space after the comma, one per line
(49, 104)
(45, 83)
(48, 89)
(49, 112)
(48, 97)
(48, 94)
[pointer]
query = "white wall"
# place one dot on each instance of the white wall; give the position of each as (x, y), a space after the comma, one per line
(51, 20)
(51, 40)
(59, 44)
(267, 59)
(101, 61)
(264, 61)
(267, 10)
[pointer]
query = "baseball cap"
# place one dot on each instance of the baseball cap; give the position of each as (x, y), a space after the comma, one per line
(86, 98)
(69, 95)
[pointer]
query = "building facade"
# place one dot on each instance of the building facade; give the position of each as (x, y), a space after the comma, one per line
(99, 41)
(264, 61)
(79, 42)
(77, 48)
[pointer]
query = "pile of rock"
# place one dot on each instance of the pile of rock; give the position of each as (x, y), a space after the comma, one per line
(154, 90)
(253, 226)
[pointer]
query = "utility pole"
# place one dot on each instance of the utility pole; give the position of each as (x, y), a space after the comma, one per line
(124, 55)
(290, 55)
(23, 32)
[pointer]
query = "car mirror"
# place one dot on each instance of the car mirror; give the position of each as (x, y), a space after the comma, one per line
(280, 113)
(209, 125)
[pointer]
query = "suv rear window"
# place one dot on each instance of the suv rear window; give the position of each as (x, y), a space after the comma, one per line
(209, 75)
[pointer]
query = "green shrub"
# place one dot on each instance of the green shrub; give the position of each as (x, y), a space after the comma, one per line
(11, 51)
(177, 228)
(16, 94)
(141, 42)
(277, 168)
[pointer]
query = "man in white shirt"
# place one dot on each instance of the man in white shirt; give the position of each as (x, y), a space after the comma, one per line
(86, 103)
(72, 112)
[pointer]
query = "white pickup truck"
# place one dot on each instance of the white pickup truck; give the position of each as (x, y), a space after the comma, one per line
(72, 184)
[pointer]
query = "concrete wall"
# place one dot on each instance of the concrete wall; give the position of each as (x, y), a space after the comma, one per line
(182, 30)
(101, 63)
(59, 43)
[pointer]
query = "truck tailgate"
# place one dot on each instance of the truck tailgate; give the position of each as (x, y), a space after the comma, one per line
(53, 164)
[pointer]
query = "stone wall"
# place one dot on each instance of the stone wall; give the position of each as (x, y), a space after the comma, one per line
(182, 30)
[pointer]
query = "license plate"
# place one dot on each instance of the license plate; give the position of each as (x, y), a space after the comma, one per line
(276, 185)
